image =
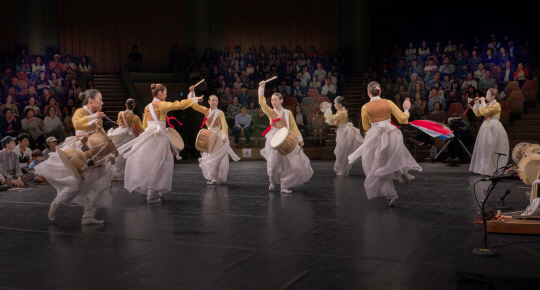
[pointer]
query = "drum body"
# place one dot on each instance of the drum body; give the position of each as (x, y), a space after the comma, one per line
(206, 139)
(284, 141)
(521, 149)
(85, 158)
(529, 166)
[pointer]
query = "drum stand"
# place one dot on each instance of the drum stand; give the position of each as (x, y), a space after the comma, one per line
(448, 143)
(484, 250)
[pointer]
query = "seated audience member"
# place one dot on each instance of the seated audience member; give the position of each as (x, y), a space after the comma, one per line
(447, 68)
(469, 82)
(56, 66)
(315, 84)
(242, 124)
(437, 115)
(56, 84)
(50, 148)
(52, 103)
(33, 126)
(521, 74)
(70, 69)
(480, 72)
(37, 158)
(435, 97)
(9, 124)
(23, 152)
(284, 89)
(225, 99)
(244, 97)
(10, 169)
(54, 126)
(232, 111)
(329, 89)
(436, 79)
(298, 91)
(507, 73)
(487, 82)
(317, 126)
(301, 121)
(10, 104)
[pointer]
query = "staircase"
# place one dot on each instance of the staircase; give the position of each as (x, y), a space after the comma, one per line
(527, 129)
(114, 95)
(352, 92)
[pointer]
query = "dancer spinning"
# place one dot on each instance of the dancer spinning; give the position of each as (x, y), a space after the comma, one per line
(291, 170)
(215, 165)
(149, 166)
(91, 192)
(492, 140)
(384, 156)
(129, 128)
(348, 137)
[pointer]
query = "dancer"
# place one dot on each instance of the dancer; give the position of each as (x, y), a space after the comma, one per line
(384, 156)
(149, 166)
(129, 128)
(290, 170)
(215, 165)
(348, 137)
(492, 140)
(91, 192)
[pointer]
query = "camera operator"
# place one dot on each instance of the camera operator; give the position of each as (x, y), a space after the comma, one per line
(461, 132)
(23, 152)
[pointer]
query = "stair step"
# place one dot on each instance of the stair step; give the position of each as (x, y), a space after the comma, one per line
(524, 129)
(330, 136)
(106, 76)
(526, 123)
(530, 116)
(331, 143)
(328, 156)
(533, 111)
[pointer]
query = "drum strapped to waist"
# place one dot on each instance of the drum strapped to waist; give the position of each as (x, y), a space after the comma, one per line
(85, 158)
(176, 139)
(284, 141)
(529, 166)
(206, 139)
(521, 149)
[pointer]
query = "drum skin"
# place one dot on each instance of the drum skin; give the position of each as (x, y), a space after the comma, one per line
(175, 137)
(521, 149)
(529, 166)
(284, 141)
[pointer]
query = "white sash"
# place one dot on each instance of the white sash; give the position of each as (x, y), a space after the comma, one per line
(124, 118)
(151, 107)
(216, 113)
(280, 113)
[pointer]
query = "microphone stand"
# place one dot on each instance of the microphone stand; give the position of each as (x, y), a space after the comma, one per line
(484, 250)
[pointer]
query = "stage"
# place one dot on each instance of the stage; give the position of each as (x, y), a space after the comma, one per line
(326, 235)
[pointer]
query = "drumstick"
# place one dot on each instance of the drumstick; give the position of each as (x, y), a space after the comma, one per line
(112, 121)
(270, 79)
(200, 82)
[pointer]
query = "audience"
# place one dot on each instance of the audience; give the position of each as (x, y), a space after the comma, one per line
(242, 125)
(23, 152)
(51, 147)
(37, 158)
(10, 169)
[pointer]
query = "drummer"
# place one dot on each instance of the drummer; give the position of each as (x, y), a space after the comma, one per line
(215, 165)
(293, 169)
(150, 164)
(93, 191)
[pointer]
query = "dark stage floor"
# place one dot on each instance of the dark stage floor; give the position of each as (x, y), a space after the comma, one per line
(326, 235)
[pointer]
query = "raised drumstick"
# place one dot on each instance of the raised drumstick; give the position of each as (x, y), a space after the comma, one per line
(200, 82)
(270, 79)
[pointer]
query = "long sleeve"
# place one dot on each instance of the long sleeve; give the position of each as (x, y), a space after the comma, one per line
(3, 166)
(145, 120)
(165, 107)
(402, 117)
(366, 123)
(224, 126)
(199, 108)
(24, 124)
(335, 117)
(262, 103)
(81, 121)
(119, 119)
(294, 128)
(492, 111)
(236, 121)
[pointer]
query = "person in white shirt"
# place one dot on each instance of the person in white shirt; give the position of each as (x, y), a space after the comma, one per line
(469, 82)
(320, 72)
(329, 88)
(331, 76)
(53, 125)
(306, 77)
(24, 153)
(481, 72)
(450, 47)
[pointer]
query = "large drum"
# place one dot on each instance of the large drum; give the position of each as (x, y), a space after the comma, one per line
(176, 139)
(284, 141)
(85, 157)
(529, 166)
(521, 149)
(206, 139)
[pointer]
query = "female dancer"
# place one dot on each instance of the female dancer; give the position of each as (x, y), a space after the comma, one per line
(149, 166)
(348, 137)
(215, 165)
(384, 156)
(290, 170)
(492, 138)
(129, 128)
(93, 191)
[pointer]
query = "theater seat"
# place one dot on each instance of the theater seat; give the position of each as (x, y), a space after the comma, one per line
(529, 90)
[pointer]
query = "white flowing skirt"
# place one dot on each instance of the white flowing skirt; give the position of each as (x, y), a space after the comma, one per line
(348, 139)
(491, 139)
(384, 158)
(150, 162)
(120, 136)
(91, 192)
(215, 165)
(291, 170)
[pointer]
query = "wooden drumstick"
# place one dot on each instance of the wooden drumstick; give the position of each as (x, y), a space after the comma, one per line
(270, 79)
(200, 82)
